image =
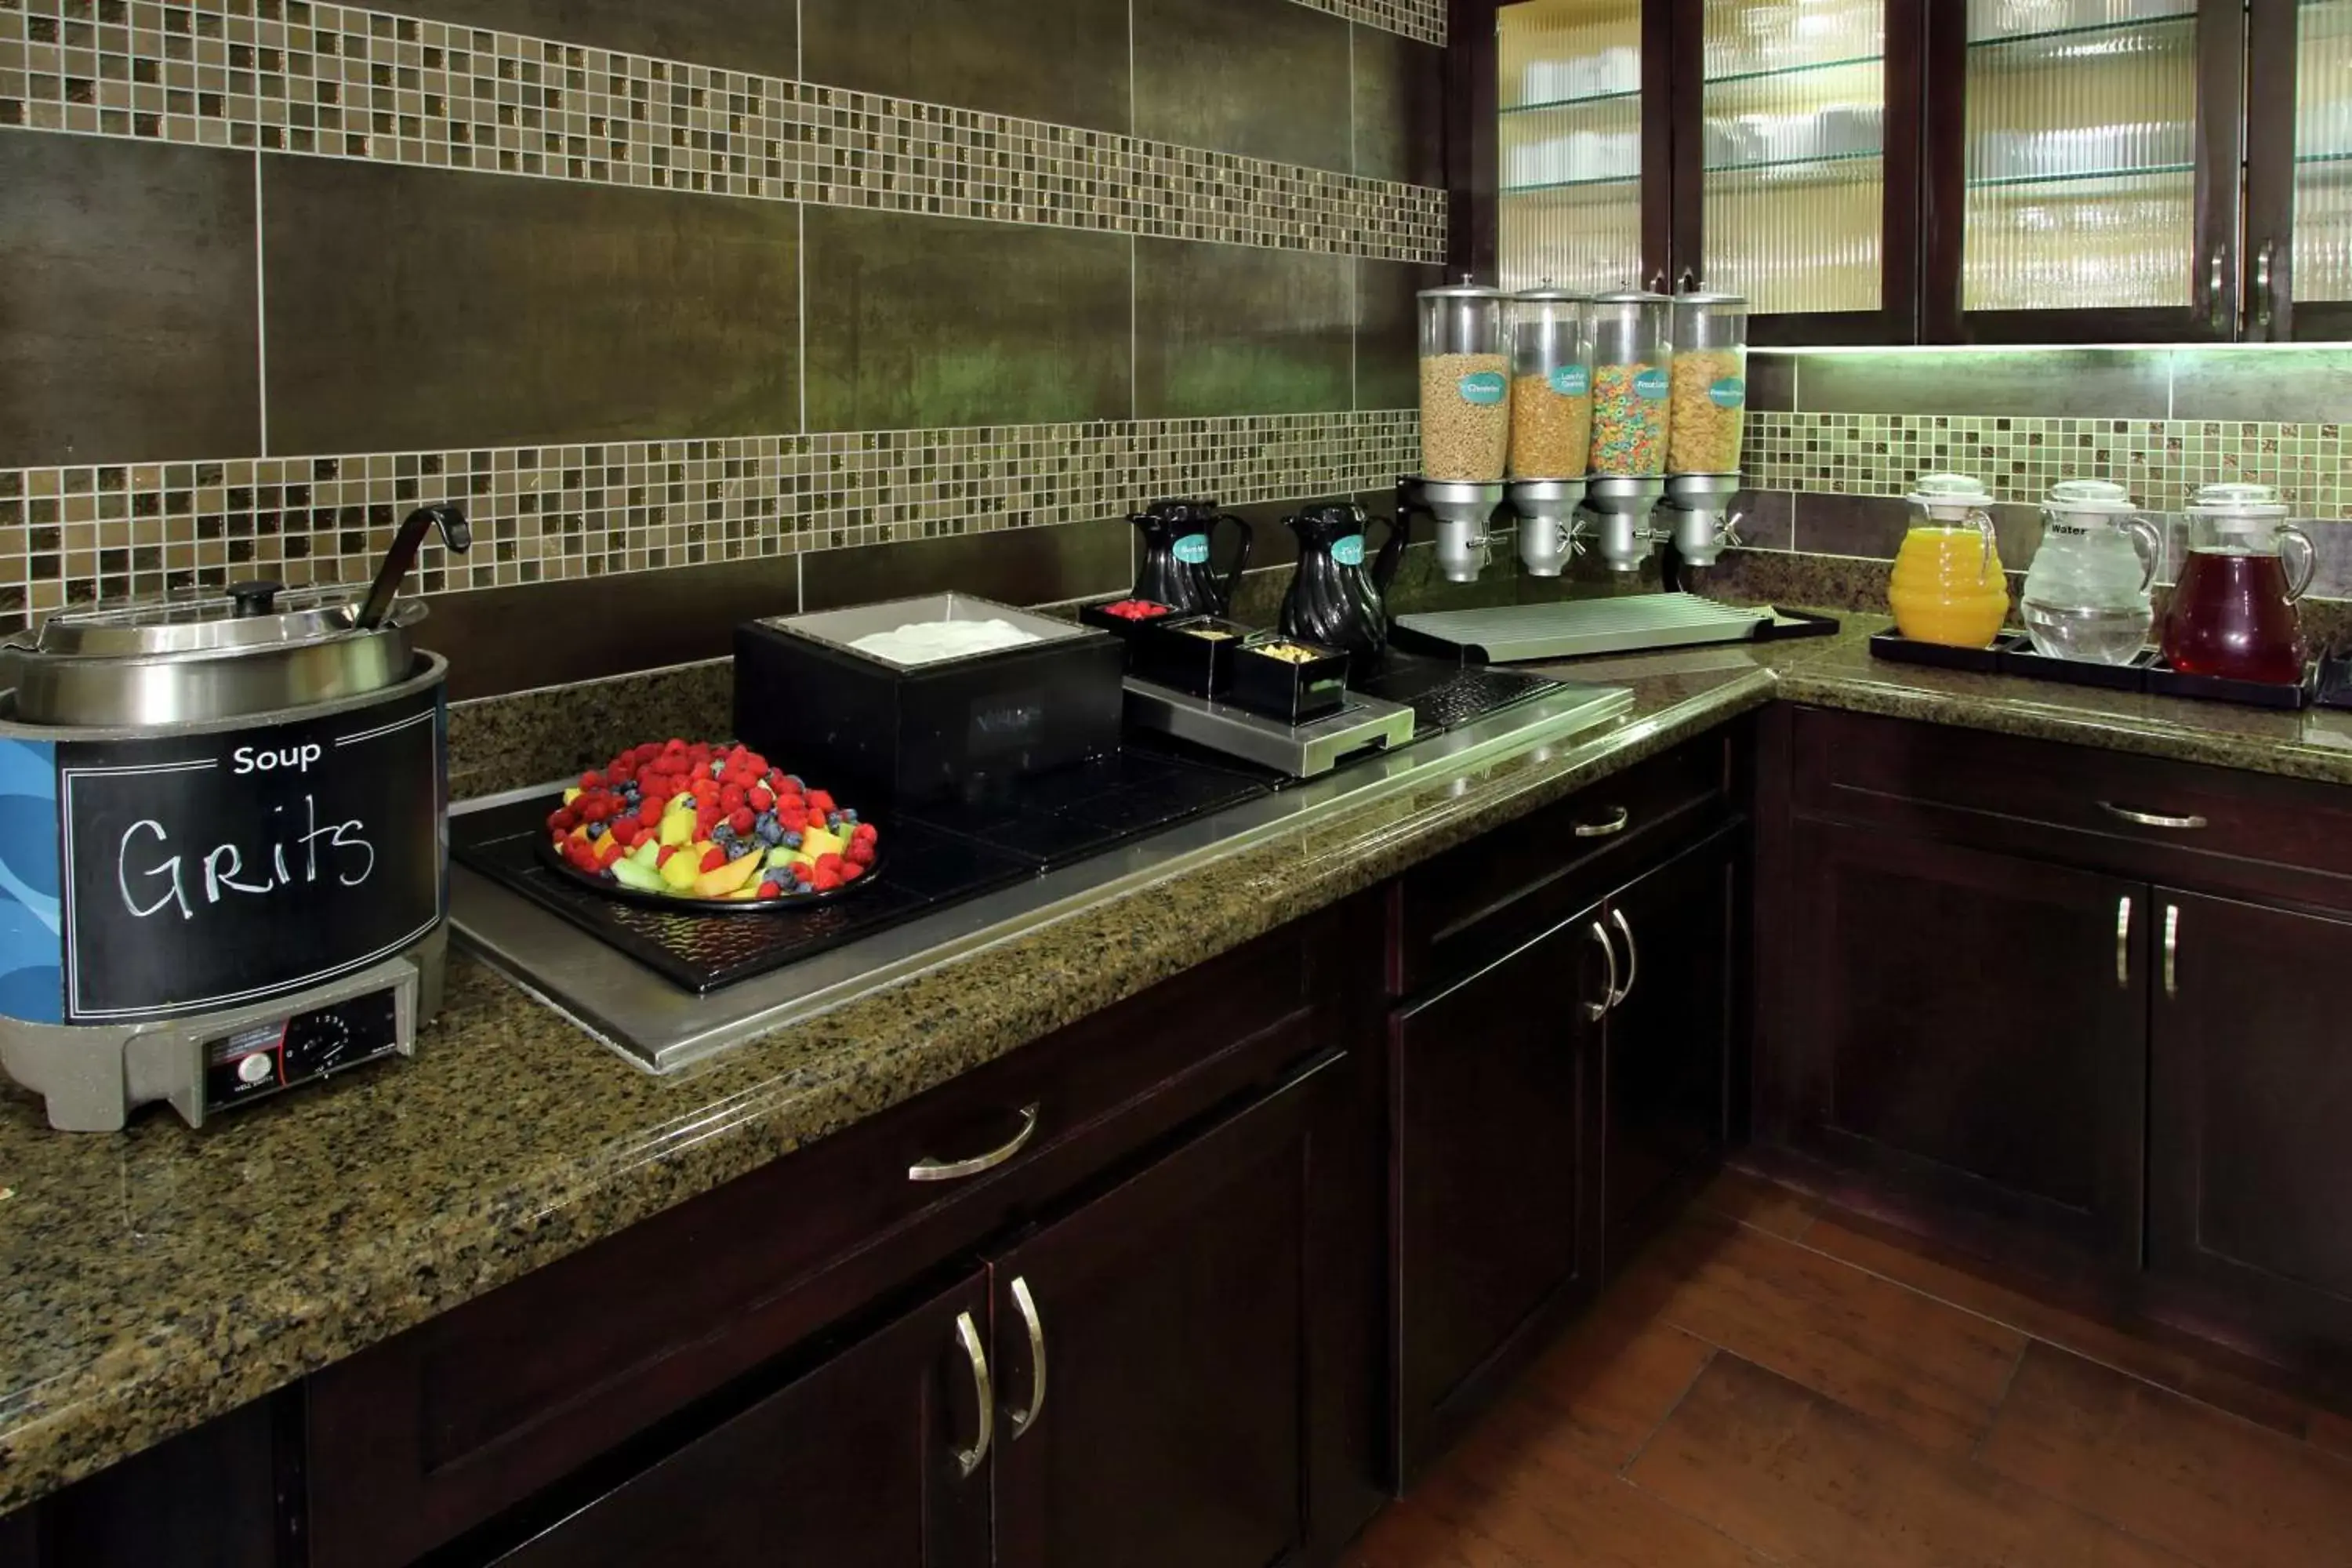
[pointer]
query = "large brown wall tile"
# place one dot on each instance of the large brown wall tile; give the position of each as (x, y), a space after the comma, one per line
(1022, 566)
(761, 37)
(1061, 60)
(2104, 383)
(415, 308)
(923, 321)
(2295, 385)
(1229, 329)
(1388, 331)
(128, 322)
(1270, 80)
(1399, 108)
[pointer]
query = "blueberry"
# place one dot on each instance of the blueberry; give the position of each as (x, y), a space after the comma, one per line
(791, 840)
(850, 815)
(595, 831)
(794, 780)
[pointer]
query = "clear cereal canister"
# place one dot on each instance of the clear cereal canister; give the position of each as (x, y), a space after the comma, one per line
(1710, 384)
(1631, 356)
(1466, 384)
(1550, 331)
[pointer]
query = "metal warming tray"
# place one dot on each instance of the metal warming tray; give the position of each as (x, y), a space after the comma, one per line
(1302, 750)
(1576, 627)
(968, 728)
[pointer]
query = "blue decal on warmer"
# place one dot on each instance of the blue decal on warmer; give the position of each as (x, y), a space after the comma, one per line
(32, 951)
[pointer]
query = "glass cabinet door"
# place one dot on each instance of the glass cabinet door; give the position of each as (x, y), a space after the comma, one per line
(1570, 137)
(2099, 184)
(1793, 166)
(2299, 170)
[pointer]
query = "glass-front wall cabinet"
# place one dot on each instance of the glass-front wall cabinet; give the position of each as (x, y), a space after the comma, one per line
(2299, 174)
(1569, 92)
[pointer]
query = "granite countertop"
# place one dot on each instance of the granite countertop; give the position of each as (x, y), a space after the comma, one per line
(161, 1277)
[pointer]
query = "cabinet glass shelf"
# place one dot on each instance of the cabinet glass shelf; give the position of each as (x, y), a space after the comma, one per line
(1571, 184)
(2010, 182)
(1777, 73)
(2082, 30)
(1817, 161)
(1578, 102)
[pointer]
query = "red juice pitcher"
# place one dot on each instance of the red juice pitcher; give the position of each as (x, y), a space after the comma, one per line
(2232, 612)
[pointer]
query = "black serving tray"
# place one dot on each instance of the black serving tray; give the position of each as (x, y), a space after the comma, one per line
(2012, 653)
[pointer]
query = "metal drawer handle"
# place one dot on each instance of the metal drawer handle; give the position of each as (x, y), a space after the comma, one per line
(2151, 819)
(2172, 949)
(1024, 1419)
(968, 1460)
(2123, 942)
(930, 1170)
(1614, 826)
(1598, 1010)
(1633, 956)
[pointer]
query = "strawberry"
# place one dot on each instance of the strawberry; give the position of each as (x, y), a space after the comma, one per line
(713, 859)
(662, 860)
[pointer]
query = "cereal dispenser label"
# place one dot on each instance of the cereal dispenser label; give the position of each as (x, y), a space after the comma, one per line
(1349, 552)
(1572, 380)
(1484, 388)
(1192, 549)
(1652, 385)
(1728, 393)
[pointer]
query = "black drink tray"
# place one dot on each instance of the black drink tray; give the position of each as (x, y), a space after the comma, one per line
(2012, 653)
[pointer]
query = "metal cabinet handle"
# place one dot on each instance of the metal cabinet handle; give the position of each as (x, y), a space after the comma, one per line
(1599, 1010)
(2216, 271)
(1686, 282)
(1633, 956)
(2151, 819)
(929, 1169)
(2123, 942)
(2264, 296)
(968, 1460)
(1615, 824)
(2171, 949)
(1021, 1299)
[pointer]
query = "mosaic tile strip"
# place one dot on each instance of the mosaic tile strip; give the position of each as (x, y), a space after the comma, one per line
(1422, 19)
(2163, 461)
(102, 534)
(338, 82)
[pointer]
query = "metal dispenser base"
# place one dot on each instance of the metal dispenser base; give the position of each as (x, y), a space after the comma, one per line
(1697, 518)
(1549, 528)
(1620, 506)
(1461, 509)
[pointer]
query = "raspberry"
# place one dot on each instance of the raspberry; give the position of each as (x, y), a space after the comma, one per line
(595, 808)
(852, 871)
(770, 890)
(861, 855)
(742, 818)
(590, 781)
(826, 881)
(564, 820)
(713, 859)
(617, 774)
(865, 834)
(828, 862)
(732, 796)
(663, 859)
(819, 800)
(759, 765)
(760, 799)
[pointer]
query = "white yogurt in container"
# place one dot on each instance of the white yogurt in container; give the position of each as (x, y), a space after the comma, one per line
(929, 642)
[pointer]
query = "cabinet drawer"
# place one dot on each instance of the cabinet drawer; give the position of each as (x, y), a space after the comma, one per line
(1502, 891)
(2136, 815)
(434, 1431)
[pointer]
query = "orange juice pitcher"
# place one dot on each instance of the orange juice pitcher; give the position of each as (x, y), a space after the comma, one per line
(1948, 587)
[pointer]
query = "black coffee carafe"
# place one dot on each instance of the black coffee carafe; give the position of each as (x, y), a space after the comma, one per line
(1176, 573)
(1335, 599)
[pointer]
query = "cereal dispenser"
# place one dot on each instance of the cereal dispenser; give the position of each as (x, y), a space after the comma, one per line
(1632, 382)
(1707, 409)
(1465, 423)
(1550, 335)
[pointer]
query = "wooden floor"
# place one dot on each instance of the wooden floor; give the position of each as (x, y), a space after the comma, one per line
(1769, 1384)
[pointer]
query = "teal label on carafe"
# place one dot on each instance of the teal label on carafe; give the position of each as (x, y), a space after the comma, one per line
(1484, 388)
(1572, 380)
(1192, 549)
(1653, 385)
(1349, 551)
(1728, 393)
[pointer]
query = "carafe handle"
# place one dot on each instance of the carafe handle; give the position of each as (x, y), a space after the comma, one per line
(1241, 559)
(2297, 582)
(2149, 543)
(1982, 524)
(1391, 555)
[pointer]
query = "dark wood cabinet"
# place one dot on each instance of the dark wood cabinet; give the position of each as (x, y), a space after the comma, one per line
(1973, 1025)
(2250, 1104)
(1497, 1202)
(877, 1459)
(1670, 1038)
(1160, 1355)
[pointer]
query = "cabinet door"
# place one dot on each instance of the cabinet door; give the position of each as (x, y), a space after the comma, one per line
(2299, 170)
(866, 1462)
(1669, 1038)
(1158, 1353)
(1583, 141)
(1801, 187)
(2084, 170)
(2250, 1092)
(1975, 1027)
(1497, 1129)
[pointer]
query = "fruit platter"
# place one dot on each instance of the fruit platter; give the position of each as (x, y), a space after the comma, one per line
(708, 826)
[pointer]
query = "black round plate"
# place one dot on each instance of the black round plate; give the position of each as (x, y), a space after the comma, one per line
(627, 895)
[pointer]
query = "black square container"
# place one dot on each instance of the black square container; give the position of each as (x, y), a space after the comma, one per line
(1280, 688)
(1194, 654)
(966, 729)
(1122, 625)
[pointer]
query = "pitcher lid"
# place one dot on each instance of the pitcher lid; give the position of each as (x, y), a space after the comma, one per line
(2102, 497)
(2238, 499)
(1949, 497)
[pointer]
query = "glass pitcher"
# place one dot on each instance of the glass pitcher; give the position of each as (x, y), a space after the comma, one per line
(2233, 611)
(1948, 587)
(2086, 594)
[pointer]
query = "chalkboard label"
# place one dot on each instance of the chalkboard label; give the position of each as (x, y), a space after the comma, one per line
(211, 871)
